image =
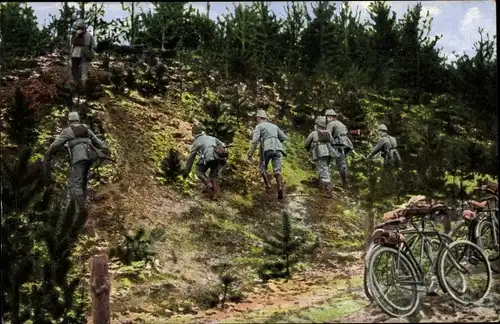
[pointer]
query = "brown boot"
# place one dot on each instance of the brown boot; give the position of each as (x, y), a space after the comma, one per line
(279, 184)
(203, 178)
(267, 182)
(216, 188)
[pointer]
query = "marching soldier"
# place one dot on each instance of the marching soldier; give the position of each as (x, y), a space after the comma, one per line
(213, 155)
(270, 137)
(319, 143)
(340, 141)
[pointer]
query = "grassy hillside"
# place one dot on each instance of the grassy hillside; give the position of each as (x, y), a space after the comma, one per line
(193, 242)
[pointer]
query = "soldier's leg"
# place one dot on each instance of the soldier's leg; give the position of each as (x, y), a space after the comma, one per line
(277, 158)
(84, 70)
(75, 69)
(264, 161)
(77, 183)
(341, 164)
(201, 170)
(213, 175)
(323, 169)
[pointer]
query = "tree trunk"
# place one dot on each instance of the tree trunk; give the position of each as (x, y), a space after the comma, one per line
(100, 286)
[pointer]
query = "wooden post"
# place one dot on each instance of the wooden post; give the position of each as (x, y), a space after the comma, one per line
(100, 286)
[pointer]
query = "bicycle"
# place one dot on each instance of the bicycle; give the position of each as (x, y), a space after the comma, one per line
(480, 222)
(411, 237)
(393, 243)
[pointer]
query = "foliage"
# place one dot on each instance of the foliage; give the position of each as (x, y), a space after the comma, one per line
(285, 248)
(38, 239)
(19, 32)
(138, 246)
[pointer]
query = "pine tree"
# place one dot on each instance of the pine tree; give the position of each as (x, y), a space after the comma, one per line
(37, 242)
(284, 249)
(22, 121)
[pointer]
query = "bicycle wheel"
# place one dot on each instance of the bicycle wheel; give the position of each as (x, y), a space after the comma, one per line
(366, 286)
(429, 256)
(466, 261)
(461, 231)
(405, 299)
(486, 240)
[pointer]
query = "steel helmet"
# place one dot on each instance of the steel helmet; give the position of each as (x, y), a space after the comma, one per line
(262, 114)
(196, 130)
(330, 112)
(382, 127)
(73, 116)
(321, 121)
(80, 23)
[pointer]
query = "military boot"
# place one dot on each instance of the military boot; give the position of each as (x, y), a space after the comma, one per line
(329, 189)
(267, 182)
(279, 184)
(216, 188)
(203, 178)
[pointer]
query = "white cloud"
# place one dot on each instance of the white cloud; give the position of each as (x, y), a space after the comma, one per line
(433, 10)
(473, 19)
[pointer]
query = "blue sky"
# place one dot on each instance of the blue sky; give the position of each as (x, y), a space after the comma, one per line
(457, 21)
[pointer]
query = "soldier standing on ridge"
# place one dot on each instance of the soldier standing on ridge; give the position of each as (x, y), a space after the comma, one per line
(81, 141)
(213, 156)
(340, 141)
(319, 142)
(270, 138)
(387, 145)
(82, 45)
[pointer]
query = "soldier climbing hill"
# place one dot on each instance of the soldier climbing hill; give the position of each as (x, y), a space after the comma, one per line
(213, 156)
(387, 145)
(82, 47)
(270, 138)
(341, 143)
(83, 147)
(319, 142)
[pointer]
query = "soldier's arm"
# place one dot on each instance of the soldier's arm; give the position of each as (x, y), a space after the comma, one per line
(191, 157)
(309, 140)
(59, 142)
(376, 149)
(96, 141)
(90, 41)
(219, 142)
(329, 127)
(281, 135)
(255, 141)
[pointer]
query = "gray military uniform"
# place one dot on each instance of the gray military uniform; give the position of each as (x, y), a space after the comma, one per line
(342, 144)
(384, 145)
(322, 154)
(79, 148)
(79, 61)
(270, 138)
(203, 146)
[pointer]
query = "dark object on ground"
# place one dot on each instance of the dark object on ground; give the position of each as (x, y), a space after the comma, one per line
(171, 165)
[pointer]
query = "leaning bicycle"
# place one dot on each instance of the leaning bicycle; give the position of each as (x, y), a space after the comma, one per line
(481, 225)
(407, 278)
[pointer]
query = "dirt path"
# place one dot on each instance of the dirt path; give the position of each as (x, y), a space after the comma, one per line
(334, 296)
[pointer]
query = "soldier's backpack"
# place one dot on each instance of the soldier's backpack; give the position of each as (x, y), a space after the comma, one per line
(221, 152)
(93, 153)
(78, 39)
(393, 156)
(324, 136)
